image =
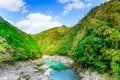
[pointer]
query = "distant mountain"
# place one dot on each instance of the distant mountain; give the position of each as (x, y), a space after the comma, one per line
(50, 39)
(93, 43)
(24, 45)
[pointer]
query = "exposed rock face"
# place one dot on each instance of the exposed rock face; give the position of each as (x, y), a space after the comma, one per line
(33, 70)
(5, 50)
(27, 70)
(85, 74)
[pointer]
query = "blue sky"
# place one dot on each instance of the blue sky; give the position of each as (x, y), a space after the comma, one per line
(34, 16)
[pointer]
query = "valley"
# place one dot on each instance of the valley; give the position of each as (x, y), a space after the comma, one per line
(91, 49)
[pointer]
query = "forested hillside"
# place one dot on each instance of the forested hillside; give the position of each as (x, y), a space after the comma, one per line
(49, 39)
(94, 42)
(25, 46)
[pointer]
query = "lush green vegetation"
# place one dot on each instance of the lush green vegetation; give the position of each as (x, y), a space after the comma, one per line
(94, 42)
(25, 46)
(49, 39)
(100, 50)
(99, 47)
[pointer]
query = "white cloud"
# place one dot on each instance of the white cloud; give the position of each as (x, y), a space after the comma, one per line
(64, 1)
(13, 5)
(89, 4)
(11, 22)
(107, 0)
(74, 4)
(88, 0)
(37, 22)
(24, 9)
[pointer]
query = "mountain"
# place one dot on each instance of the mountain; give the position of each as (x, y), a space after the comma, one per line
(49, 39)
(93, 43)
(95, 40)
(24, 45)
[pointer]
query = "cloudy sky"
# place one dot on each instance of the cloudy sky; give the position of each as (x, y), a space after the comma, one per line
(34, 16)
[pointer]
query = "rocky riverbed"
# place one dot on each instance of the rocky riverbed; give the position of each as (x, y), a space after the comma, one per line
(36, 70)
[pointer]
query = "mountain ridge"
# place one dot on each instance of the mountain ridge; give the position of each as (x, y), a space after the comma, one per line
(94, 42)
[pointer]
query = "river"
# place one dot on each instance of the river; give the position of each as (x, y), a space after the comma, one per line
(46, 68)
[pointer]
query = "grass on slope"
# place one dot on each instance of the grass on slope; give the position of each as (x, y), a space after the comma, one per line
(23, 43)
(49, 39)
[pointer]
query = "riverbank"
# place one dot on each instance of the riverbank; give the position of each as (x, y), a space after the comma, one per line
(34, 70)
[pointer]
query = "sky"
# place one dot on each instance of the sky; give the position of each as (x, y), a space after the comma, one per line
(34, 16)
